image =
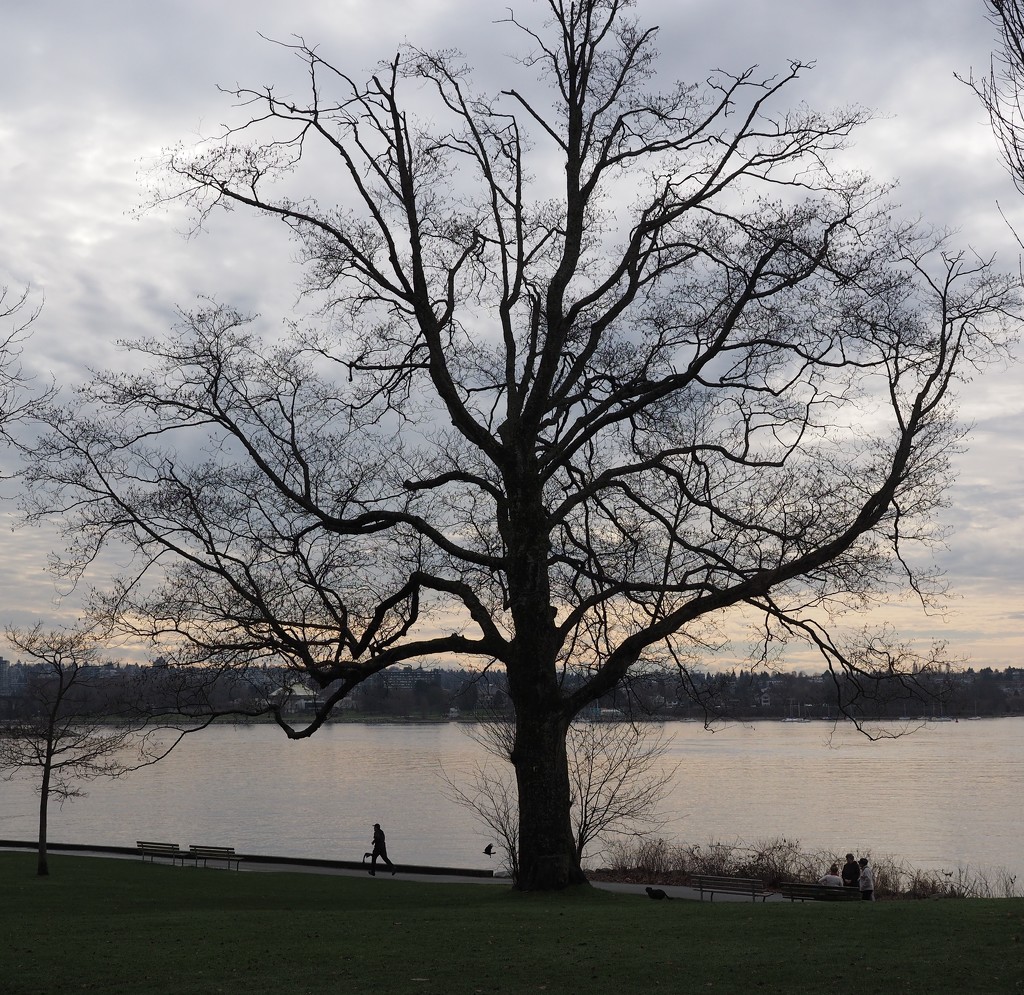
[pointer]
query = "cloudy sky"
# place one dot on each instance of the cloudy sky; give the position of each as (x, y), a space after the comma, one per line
(93, 91)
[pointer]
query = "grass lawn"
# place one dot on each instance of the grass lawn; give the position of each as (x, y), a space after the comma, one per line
(101, 925)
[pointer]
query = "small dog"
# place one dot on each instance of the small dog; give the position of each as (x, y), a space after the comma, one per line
(367, 856)
(656, 893)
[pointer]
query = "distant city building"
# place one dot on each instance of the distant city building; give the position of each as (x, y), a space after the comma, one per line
(408, 677)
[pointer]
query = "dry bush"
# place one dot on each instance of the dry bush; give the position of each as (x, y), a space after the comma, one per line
(779, 859)
(898, 879)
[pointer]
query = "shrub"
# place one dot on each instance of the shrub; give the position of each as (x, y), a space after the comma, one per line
(780, 859)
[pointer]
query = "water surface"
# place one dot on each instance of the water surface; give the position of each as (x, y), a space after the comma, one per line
(949, 795)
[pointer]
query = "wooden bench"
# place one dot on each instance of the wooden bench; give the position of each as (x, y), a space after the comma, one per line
(797, 891)
(205, 853)
(712, 883)
(153, 850)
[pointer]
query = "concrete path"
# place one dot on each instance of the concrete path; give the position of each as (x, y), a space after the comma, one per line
(259, 863)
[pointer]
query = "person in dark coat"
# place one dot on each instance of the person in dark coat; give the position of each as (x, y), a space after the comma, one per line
(380, 849)
(851, 872)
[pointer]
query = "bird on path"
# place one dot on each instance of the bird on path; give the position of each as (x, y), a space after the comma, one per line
(656, 893)
(489, 849)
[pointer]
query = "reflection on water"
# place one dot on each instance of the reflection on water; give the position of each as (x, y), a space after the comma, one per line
(948, 795)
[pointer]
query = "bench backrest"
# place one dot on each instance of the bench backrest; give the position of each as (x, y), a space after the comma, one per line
(725, 881)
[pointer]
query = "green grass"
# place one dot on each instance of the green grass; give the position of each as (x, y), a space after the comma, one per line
(100, 925)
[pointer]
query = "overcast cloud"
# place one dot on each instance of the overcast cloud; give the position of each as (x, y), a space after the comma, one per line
(91, 93)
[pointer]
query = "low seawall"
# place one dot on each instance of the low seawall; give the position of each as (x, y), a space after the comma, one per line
(254, 858)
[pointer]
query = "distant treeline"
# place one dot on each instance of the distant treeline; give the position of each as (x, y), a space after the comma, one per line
(419, 692)
(438, 694)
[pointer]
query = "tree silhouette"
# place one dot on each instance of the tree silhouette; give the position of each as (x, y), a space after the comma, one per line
(616, 769)
(17, 400)
(77, 720)
(599, 364)
(1002, 88)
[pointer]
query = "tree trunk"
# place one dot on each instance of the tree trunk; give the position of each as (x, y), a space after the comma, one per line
(42, 867)
(547, 849)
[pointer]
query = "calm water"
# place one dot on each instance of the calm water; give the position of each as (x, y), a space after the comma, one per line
(951, 794)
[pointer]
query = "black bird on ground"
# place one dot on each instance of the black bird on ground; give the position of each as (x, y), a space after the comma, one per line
(656, 893)
(489, 849)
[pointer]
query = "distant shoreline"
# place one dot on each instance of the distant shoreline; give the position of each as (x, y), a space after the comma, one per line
(409, 720)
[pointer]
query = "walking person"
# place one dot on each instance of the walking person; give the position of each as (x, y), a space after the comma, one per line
(380, 849)
(866, 881)
(851, 872)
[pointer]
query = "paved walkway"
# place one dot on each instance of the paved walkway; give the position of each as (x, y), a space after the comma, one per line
(260, 863)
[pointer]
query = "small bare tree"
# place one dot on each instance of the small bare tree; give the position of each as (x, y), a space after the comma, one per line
(1001, 89)
(616, 771)
(16, 401)
(619, 779)
(79, 720)
(488, 790)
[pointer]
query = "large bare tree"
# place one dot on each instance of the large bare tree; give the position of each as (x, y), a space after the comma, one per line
(599, 363)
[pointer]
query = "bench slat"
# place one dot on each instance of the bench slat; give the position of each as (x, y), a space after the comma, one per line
(799, 891)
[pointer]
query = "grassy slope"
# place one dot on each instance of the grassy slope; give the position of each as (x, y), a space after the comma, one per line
(123, 926)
